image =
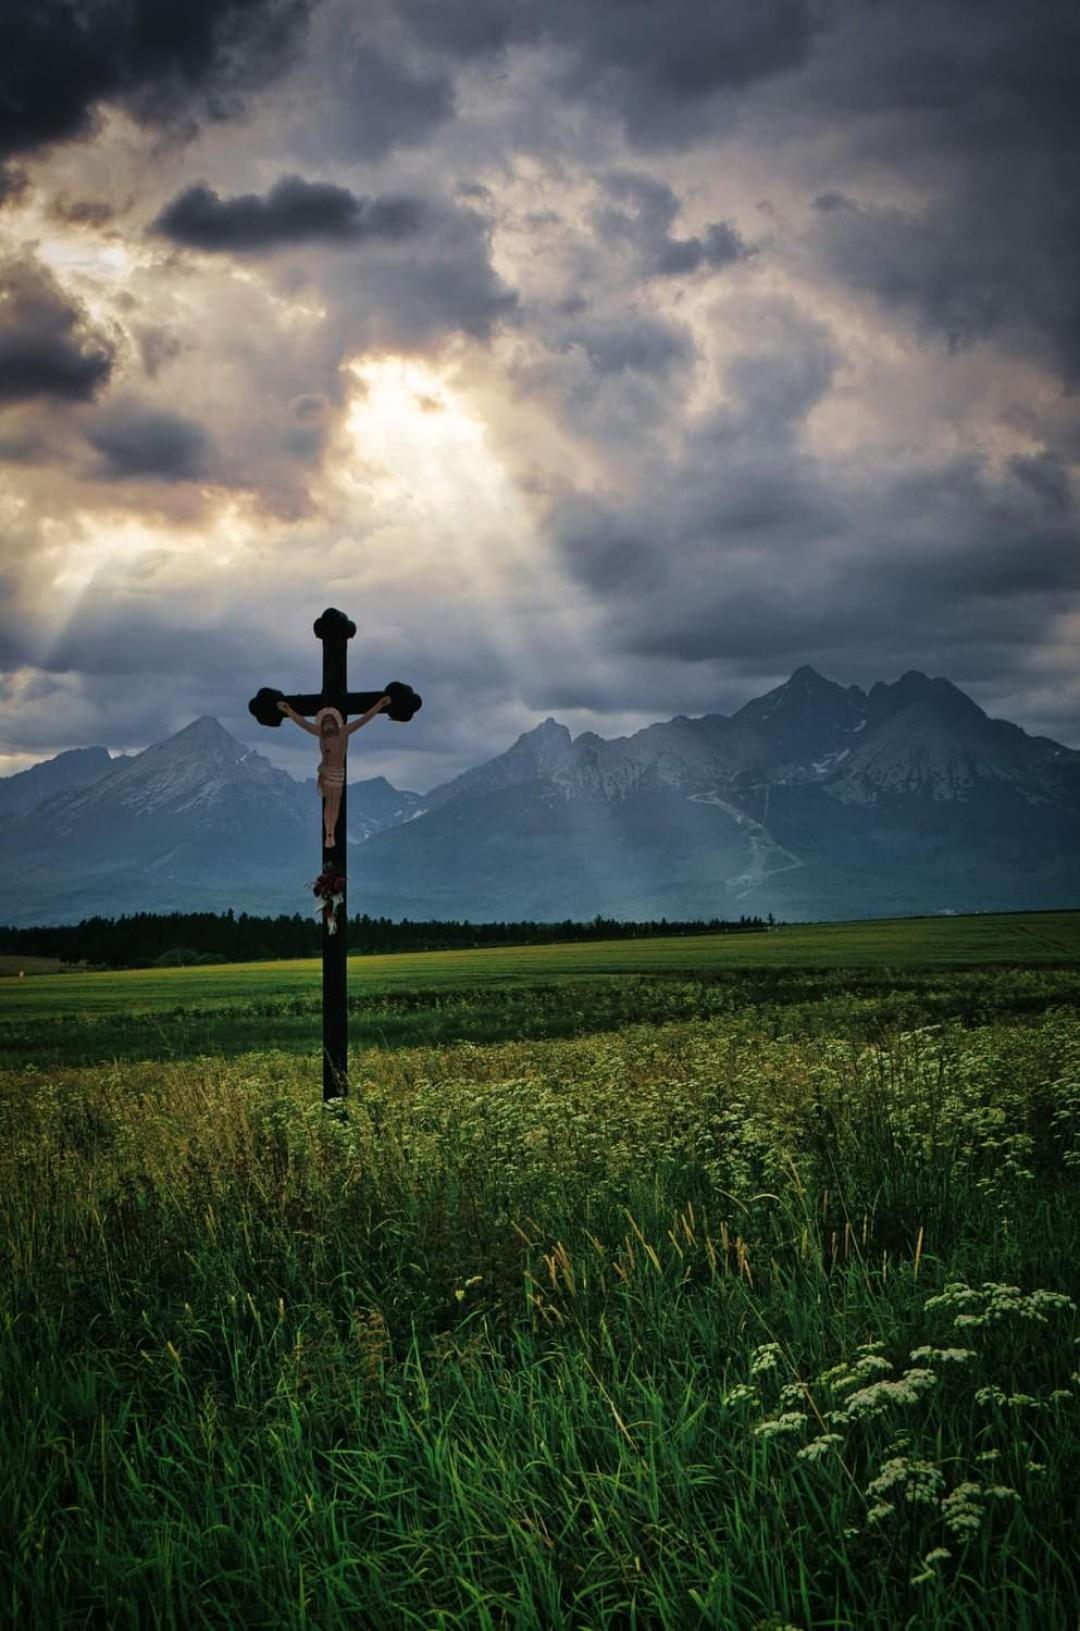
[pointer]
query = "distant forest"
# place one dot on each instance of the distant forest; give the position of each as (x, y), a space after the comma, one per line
(173, 939)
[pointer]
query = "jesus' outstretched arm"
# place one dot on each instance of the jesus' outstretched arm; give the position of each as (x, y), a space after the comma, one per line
(383, 702)
(297, 719)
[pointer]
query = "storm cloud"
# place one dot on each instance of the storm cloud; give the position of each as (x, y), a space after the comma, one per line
(641, 214)
(135, 443)
(660, 69)
(61, 59)
(48, 347)
(615, 358)
(294, 212)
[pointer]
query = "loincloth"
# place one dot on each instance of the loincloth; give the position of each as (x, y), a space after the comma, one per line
(329, 777)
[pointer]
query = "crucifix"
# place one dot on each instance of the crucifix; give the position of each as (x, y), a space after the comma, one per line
(331, 708)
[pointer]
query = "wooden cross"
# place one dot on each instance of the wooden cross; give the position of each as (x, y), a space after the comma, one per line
(334, 629)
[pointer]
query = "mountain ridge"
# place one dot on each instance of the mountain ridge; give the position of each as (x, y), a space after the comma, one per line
(815, 799)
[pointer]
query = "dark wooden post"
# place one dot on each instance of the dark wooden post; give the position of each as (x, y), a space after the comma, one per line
(335, 630)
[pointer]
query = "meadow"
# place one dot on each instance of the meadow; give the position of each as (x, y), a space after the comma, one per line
(534, 991)
(737, 1291)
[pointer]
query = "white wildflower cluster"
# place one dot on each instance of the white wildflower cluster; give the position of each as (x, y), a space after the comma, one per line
(765, 1358)
(879, 1397)
(918, 1483)
(870, 1361)
(741, 1393)
(870, 1364)
(963, 1508)
(1017, 1401)
(944, 1356)
(819, 1446)
(906, 1482)
(791, 1421)
(993, 1302)
(929, 1565)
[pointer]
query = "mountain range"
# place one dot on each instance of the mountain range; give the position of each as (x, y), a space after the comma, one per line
(813, 801)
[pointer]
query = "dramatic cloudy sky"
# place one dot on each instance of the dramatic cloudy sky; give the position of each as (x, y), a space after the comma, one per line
(601, 358)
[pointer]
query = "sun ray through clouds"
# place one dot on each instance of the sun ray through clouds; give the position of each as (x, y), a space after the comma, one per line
(437, 495)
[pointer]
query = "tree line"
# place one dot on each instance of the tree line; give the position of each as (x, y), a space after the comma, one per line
(162, 939)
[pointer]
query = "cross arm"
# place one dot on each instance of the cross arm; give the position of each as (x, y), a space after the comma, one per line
(404, 703)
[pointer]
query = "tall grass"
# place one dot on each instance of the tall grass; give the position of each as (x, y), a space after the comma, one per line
(672, 1326)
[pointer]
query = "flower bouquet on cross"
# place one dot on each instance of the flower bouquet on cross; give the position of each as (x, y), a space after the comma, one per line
(329, 891)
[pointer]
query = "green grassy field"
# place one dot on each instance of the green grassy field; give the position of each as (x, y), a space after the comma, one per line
(1037, 937)
(676, 1295)
(533, 991)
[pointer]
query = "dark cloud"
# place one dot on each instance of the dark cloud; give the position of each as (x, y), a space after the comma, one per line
(644, 222)
(769, 557)
(122, 631)
(372, 102)
(748, 553)
(960, 272)
(294, 211)
(414, 292)
(978, 113)
(60, 59)
(644, 345)
(659, 68)
(83, 212)
(138, 443)
(787, 371)
(47, 346)
(14, 184)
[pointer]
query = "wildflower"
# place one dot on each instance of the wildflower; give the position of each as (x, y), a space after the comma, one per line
(876, 1399)
(928, 1572)
(764, 1358)
(819, 1447)
(961, 1509)
(947, 1356)
(994, 1302)
(862, 1368)
(789, 1422)
(917, 1482)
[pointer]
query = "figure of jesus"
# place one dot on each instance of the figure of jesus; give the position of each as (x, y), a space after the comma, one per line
(332, 731)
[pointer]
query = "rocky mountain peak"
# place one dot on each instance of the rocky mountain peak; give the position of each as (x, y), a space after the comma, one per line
(536, 753)
(77, 767)
(549, 730)
(806, 678)
(915, 689)
(807, 721)
(206, 735)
